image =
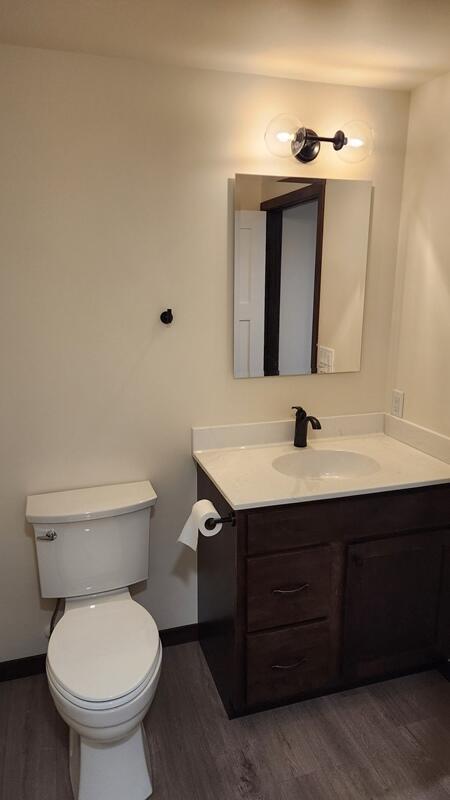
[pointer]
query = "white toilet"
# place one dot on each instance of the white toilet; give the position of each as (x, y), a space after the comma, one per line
(104, 656)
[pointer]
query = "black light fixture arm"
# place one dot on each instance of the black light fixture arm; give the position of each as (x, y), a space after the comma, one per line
(338, 140)
(311, 147)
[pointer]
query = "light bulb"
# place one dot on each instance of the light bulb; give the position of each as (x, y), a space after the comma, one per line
(284, 136)
(359, 145)
(355, 142)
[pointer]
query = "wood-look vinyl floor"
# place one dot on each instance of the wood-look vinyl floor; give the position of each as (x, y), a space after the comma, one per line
(390, 740)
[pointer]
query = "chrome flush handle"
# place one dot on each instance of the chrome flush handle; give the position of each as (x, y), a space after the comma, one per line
(48, 536)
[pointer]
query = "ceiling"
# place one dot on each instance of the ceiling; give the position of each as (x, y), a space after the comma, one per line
(394, 44)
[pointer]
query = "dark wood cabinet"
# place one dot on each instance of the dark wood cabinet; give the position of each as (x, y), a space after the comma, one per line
(303, 599)
(392, 599)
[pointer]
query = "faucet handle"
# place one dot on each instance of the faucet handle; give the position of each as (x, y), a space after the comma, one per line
(300, 412)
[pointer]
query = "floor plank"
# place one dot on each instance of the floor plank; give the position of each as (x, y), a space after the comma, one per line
(390, 740)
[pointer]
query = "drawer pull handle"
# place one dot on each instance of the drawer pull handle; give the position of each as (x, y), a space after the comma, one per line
(295, 590)
(290, 666)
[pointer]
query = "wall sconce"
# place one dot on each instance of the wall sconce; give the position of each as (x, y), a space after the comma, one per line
(286, 136)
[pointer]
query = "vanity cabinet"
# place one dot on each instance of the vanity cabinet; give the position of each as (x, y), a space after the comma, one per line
(303, 599)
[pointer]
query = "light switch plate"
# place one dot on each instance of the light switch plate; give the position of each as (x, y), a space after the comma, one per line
(398, 399)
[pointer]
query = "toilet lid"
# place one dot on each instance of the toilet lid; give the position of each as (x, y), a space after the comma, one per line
(103, 651)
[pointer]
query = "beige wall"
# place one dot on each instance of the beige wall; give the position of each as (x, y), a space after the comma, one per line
(116, 203)
(420, 363)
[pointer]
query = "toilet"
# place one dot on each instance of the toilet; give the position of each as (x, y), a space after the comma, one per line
(104, 655)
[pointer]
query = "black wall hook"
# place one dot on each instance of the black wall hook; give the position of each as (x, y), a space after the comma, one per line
(167, 316)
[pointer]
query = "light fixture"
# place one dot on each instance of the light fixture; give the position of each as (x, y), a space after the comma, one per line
(286, 136)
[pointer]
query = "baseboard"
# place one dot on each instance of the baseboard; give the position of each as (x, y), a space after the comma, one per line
(34, 665)
(22, 667)
(181, 635)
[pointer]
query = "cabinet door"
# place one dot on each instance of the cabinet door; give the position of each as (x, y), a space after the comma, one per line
(391, 609)
(444, 610)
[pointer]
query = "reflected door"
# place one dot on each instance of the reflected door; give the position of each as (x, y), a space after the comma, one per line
(294, 232)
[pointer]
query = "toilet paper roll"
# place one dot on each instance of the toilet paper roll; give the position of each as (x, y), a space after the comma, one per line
(201, 511)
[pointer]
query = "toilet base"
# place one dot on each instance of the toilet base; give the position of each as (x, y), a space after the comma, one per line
(110, 771)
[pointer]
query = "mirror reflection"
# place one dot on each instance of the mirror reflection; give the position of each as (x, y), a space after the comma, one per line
(300, 271)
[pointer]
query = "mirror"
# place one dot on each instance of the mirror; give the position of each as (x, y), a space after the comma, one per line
(299, 274)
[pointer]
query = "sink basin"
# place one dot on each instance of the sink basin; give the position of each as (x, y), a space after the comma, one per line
(325, 464)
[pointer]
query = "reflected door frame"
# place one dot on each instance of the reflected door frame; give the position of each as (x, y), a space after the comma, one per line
(274, 235)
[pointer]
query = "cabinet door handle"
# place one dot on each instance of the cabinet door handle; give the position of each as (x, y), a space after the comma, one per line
(295, 665)
(295, 590)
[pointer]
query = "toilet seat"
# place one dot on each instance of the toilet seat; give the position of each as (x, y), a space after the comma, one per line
(105, 705)
(104, 651)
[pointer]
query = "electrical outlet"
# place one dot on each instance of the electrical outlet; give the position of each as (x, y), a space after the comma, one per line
(398, 399)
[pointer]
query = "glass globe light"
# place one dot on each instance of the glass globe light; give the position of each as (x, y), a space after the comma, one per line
(359, 145)
(284, 136)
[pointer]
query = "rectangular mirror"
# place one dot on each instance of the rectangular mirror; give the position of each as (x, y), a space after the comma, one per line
(299, 274)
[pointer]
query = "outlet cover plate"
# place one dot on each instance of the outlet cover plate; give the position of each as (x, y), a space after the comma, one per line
(398, 399)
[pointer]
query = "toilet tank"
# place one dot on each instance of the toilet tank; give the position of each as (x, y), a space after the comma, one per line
(91, 540)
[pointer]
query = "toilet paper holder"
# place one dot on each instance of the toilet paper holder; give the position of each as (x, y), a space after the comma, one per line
(211, 523)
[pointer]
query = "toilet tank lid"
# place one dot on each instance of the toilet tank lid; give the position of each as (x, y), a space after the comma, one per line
(92, 503)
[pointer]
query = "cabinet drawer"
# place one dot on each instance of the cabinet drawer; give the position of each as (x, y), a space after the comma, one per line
(288, 588)
(288, 662)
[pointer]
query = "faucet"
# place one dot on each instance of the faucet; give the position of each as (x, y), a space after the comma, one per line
(301, 426)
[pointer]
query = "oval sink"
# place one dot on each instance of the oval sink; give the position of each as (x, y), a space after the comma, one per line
(325, 464)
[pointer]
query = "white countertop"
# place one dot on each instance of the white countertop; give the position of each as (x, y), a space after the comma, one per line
(246, 478)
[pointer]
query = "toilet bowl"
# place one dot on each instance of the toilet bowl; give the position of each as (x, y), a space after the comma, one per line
(103, 667)
(104, 655)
